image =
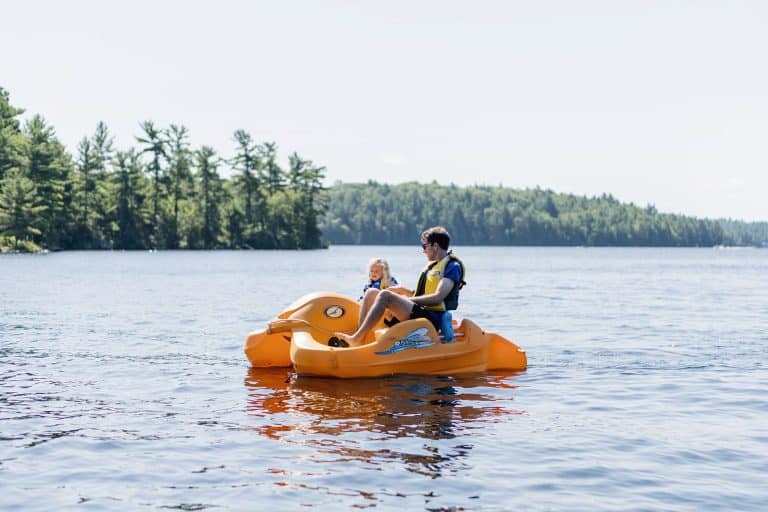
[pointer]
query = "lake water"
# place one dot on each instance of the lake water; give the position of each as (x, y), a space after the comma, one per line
(123, 386)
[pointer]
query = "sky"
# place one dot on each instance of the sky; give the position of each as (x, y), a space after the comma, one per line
(655, 102)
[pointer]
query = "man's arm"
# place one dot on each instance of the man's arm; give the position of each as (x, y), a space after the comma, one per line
(444, 287)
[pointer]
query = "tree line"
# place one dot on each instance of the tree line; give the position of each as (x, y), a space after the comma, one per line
(740, 233)
(164, 194)
(375, 213)
(159, 194)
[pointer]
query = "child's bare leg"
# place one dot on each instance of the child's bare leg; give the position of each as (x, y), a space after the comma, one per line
(368, 299)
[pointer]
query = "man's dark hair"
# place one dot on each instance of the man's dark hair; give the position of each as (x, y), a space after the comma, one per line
(438, 235)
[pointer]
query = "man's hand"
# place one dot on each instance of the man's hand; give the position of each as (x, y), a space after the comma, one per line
(400, 290)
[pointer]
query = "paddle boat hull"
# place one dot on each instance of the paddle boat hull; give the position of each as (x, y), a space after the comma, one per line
(300, 336)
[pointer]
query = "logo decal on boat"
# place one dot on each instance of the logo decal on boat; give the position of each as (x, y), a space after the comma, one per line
(334, 311)
(416, 339)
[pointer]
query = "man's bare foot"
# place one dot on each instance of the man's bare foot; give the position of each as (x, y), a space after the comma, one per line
(352, 342)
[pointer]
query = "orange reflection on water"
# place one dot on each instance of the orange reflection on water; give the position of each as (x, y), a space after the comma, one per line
(433, 407)
(401, 419)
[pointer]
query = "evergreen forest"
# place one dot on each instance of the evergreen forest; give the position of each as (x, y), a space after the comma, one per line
(161, 193)
(374, 213)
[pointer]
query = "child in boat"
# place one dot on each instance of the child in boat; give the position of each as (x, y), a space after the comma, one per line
(379, 276)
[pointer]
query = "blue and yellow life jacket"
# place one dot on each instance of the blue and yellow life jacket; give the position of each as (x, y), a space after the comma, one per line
(431, 276)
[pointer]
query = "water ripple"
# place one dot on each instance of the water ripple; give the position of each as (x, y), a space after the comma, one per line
(123, 386)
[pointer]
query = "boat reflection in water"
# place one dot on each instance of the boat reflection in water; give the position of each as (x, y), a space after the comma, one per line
(380, 419)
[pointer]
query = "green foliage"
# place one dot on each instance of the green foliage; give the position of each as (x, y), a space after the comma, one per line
(12, 140)
(247, 216)
(155, 144)
(180, 185)
(166, 195)
(85, 187)
(131, 225)
(274, 176)
(11, 244)
(162, 194)
(211, 193)
(20, 210)
(745, 233)
(374, 213)
(50, 167)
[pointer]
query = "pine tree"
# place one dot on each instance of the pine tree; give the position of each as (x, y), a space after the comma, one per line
(104, 203)
(248, 166)
(274, 176)
(84, 192)
(305, 179)
(20, 211)
(180, 180)
(50, 167)
(155, 144)
(210, 197)
(131, 226)
(12, 141)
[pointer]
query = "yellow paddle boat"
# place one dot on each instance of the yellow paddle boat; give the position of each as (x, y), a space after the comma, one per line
(302, 336)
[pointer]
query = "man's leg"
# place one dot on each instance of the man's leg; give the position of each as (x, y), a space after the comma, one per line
(400, 306)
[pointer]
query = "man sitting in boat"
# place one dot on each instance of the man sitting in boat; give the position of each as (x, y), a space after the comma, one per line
(437, 290)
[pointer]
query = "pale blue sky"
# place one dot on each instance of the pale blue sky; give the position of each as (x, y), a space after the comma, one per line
(662, 102)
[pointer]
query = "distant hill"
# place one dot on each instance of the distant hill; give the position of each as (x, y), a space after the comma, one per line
(375, 213)
(745, 233)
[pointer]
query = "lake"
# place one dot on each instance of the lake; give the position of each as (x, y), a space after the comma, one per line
(123, 386)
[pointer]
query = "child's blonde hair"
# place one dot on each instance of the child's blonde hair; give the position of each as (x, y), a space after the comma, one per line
(385, 275)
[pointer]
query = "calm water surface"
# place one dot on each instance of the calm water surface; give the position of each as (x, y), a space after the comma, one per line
(123, 386)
